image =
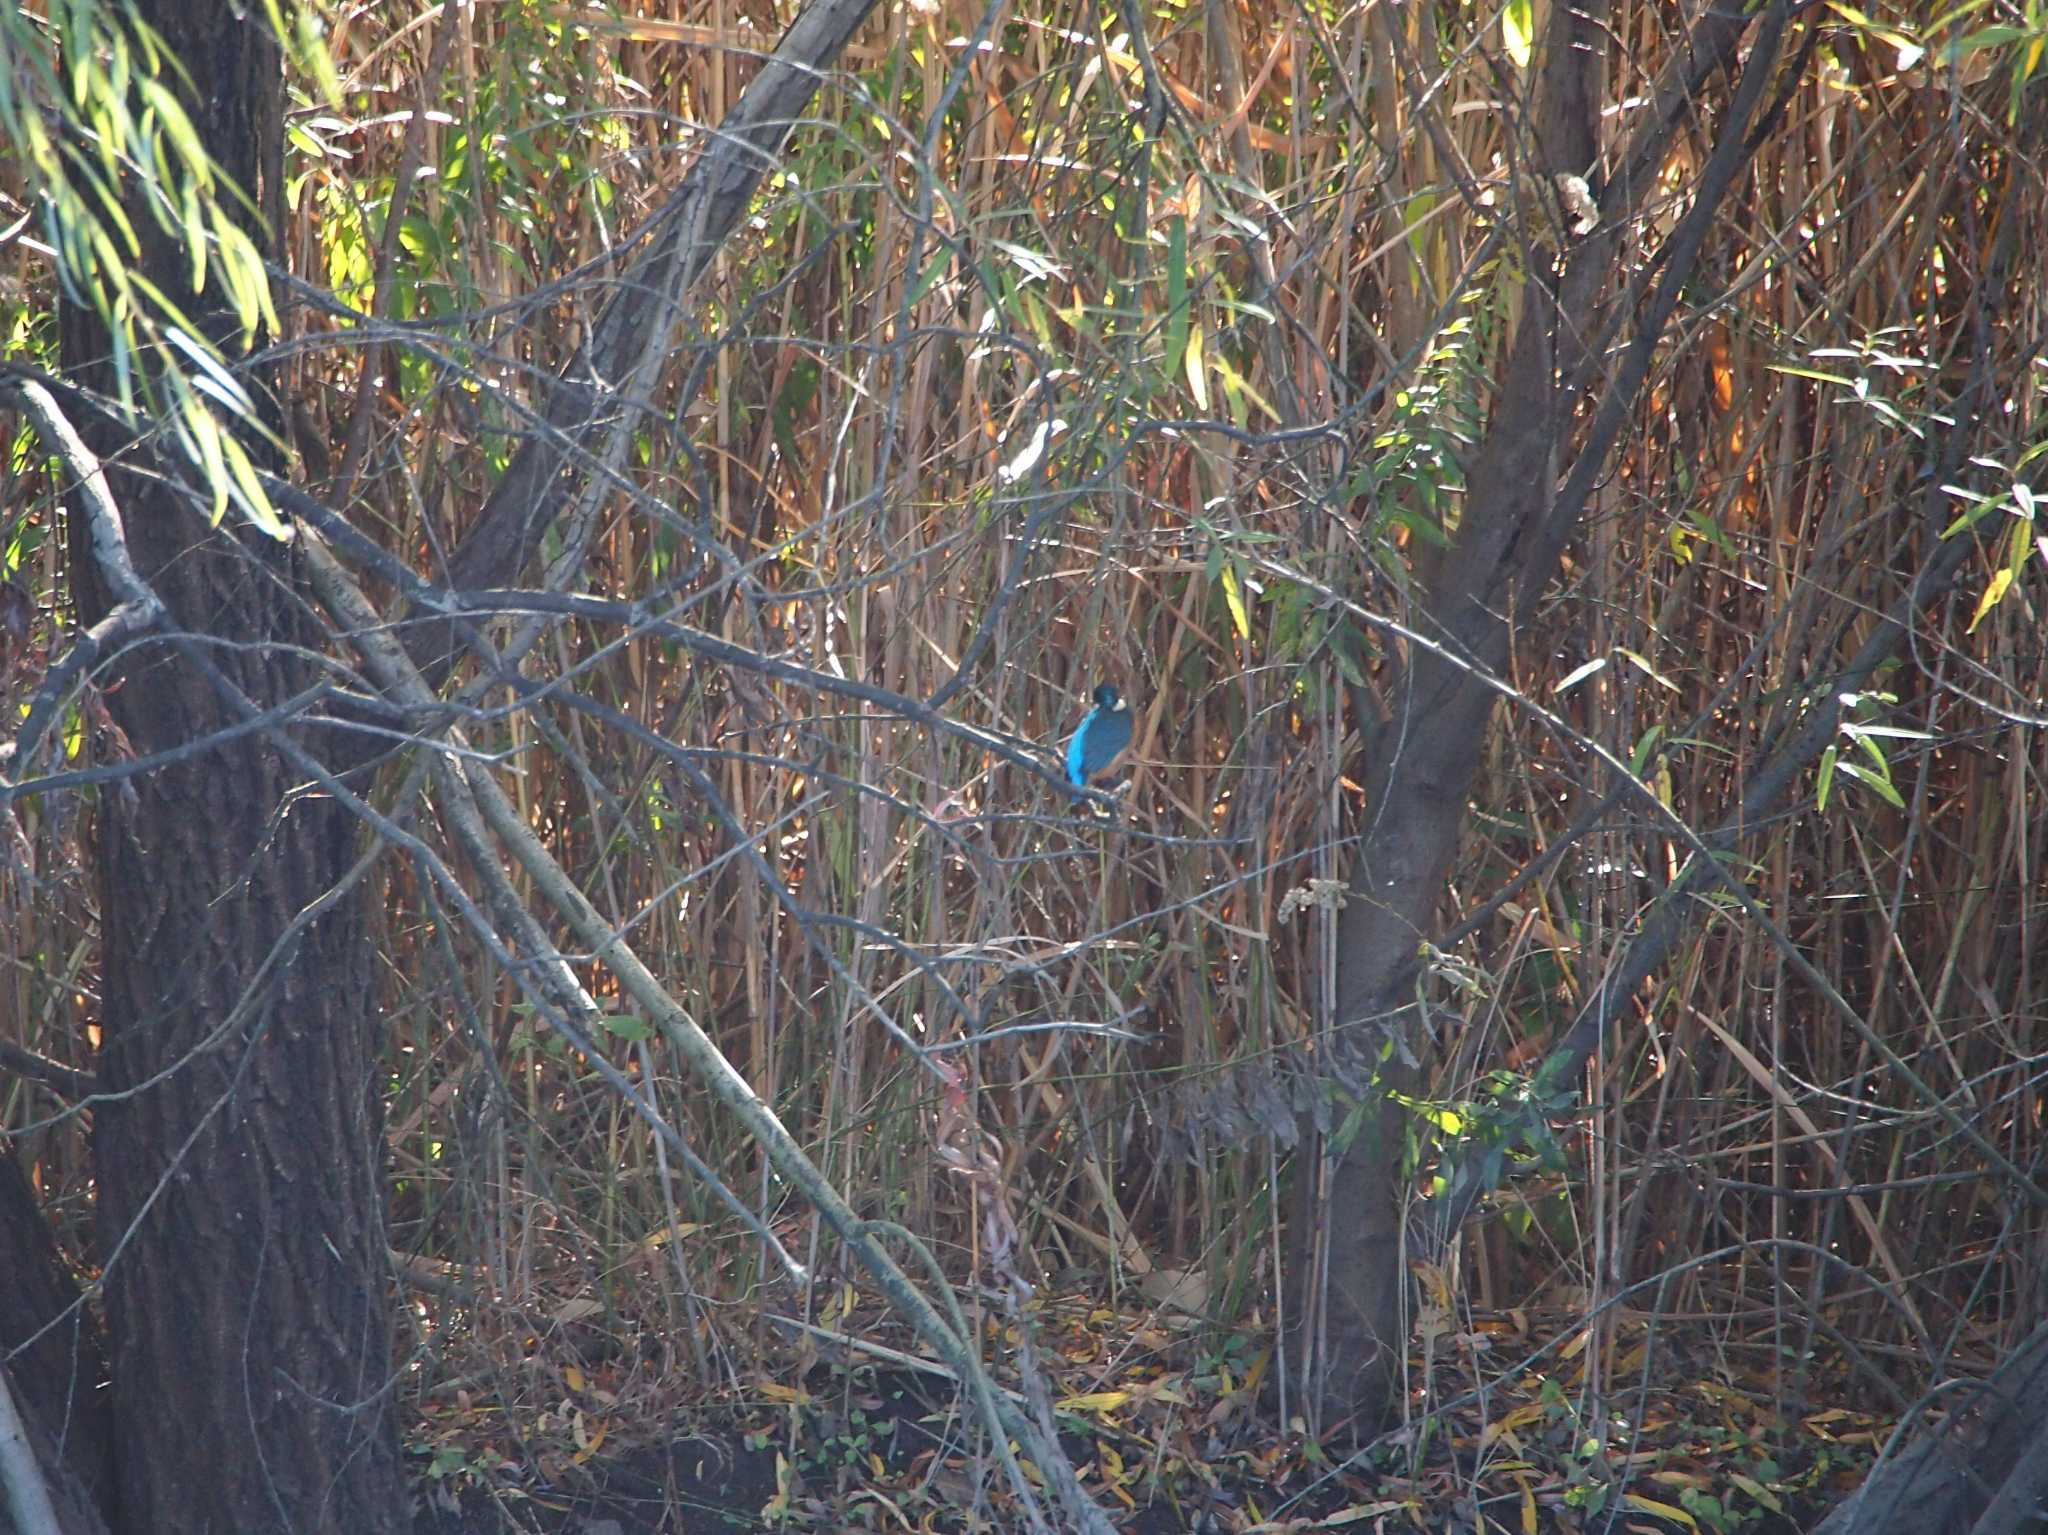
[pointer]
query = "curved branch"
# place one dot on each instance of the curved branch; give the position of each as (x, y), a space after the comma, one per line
(585, 417)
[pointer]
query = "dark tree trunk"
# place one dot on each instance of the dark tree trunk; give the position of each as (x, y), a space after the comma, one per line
(1347, 1275)
(1981, 1469)
(240, 1194)
(1346, 1262)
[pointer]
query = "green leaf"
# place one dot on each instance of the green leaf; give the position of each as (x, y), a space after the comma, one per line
(313, 54)
(212, 379)
(1178, 310)
(250, 494)
(1344, 646)
(1235, 382)
(195, 238)
(202, 435)
(1988, 37)
(1985, 506)
(626, 1026)
(248, 284)
(1418, 526)
(1827, 779)
(1862, 737)
(941, 263)
(1641, 755)
(184, 137)
(1881, 786)
(1420, 206)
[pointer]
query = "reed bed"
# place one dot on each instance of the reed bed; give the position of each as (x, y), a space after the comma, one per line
(1265, 329)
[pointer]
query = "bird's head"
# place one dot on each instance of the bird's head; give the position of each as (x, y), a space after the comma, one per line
(1107, 697)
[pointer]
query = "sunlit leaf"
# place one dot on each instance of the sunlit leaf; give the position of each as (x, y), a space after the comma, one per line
(1094, 1401)
(1642, 665)
(1518, 30)
(1177, 307)
(250, 494)
(202, 435)
(1662, 1510)
(1994, 594)
(1882, 786)
(1197, 371)
(1233, 595)
(1578, 674)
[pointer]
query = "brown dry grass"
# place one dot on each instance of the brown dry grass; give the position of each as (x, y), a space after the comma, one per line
(849, 442)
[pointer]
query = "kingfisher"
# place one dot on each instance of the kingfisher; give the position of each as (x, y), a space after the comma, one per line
(1101, 739)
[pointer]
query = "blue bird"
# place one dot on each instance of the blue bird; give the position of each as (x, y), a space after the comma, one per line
(1101, 739)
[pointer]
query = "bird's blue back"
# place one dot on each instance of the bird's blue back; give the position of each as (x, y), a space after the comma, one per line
(1103, 734)
(1076, 749)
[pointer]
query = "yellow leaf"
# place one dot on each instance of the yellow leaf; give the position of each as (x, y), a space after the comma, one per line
(1993, 595)
(1257, 1372)
(1233, 594)
(1094, 1401)
(573, 1377)
(1662, 1510)
(1681, 1479)
(1355, 1514)
(1198, 371)
(1238, 381)
(1528, 1510)
(776, 1507)
(255, 499)
(655, 1240)
(1507, 1427)
(780, 1393)
(589, 1440)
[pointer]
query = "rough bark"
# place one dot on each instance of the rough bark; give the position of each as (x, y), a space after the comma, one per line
(1981, 1470)
(238, 1154)
(249, 1133)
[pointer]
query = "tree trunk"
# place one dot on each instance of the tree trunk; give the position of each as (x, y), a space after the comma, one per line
(1347, 1273)
(1981, 1469)
(240, 1192)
